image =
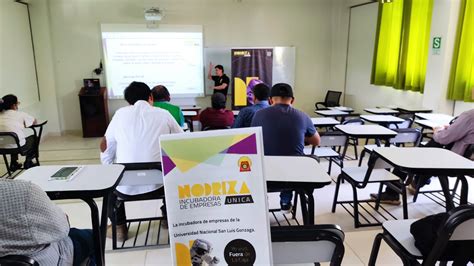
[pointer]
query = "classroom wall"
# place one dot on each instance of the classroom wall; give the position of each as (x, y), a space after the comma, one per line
(76, 47)
(358, 91)
(48, 107)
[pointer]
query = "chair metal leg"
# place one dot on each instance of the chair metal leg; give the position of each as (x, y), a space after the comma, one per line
(456, 184)
(443, 180)
(362, 154)
(356, 142)
(375, 249)
(404, 201)
(330, 163)
(418, 185)
(295, 205)
(356, 206)
(6, 164)
(377, 201)
(336, 193)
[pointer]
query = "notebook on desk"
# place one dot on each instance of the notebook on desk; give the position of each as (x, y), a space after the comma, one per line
(66, 173)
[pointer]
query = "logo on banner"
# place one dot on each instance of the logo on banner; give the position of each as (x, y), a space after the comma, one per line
(242, 53)
(244, 164)
(209, 195)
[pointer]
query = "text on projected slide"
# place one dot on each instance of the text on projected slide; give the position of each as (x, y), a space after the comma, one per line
(173, 59)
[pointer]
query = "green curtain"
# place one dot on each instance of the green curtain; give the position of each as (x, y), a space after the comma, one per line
(461, 81)
(402, 44)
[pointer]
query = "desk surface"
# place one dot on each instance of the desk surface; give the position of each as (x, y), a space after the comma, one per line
(295, 169)
(382, 119)
(366, 131)
(331, 113)
(342, 108)
(190, 108)
(436, 117)
(413, 110)
(324, 121)
(428, 123)
(381, 111)
(190, 113)
(90, 178)
(434, 160)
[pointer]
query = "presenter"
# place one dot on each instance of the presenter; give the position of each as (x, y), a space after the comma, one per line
(221, 80)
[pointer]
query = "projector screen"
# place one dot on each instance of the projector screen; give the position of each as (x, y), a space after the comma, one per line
(168, 55)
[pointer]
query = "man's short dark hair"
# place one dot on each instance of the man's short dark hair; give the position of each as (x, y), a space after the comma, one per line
(137, 91)
(218, 100)
(160, 93)
(220, 67)
(261, 91)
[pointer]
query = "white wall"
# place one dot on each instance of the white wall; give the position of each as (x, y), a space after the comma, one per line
(39, 13)
(305, 24)
(17, 71)
(359, 92)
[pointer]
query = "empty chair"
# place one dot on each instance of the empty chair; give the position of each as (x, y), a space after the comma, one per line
(331, 100)
(17, 260)
(359, 177)
(139, 174)
(458, 226)
(307, 244)
(404, 136)
(10, 144)
(353, 141)
(327, 148)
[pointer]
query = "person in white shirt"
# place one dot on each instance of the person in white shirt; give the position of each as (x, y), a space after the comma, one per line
(12, 120)
(133, 137)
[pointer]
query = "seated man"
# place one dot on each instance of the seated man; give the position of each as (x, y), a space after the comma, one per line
(31, 225)
(260, 98)
(217, 116)
(133, 137)
(457, 136)
(285, 130)
(161, 98)
(12, 120)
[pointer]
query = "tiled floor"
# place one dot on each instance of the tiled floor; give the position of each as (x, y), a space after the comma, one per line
(358, 242)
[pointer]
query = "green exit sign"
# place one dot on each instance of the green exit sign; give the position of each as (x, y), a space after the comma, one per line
(436, 45)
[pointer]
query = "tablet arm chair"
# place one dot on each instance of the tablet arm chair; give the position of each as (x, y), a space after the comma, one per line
(396, 233)
(11, 141)
(307, 244)
(332, 99)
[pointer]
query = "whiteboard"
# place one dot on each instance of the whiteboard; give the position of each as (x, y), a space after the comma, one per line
(17, 71)
(283, 64)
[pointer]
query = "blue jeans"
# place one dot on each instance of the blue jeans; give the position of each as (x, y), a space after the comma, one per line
(285, 196)
(83, 242)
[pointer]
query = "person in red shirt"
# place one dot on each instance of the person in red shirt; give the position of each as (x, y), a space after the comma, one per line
(216, 117)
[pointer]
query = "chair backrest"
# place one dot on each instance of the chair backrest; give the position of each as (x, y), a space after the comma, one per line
(374, 162)
(142, 174)
(332, 98)
(406, 136)
(17, 260)
(333, 139)
(307, 244)
(354, 121)
(406, 124)
(215, 128)
(9, 139)
(457, 227)
(469, 152)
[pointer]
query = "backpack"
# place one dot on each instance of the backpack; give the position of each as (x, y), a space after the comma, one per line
(425, 231)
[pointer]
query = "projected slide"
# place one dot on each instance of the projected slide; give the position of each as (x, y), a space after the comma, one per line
(173, 59)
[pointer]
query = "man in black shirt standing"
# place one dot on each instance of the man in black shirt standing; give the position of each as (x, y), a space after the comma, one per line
(221, 80)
